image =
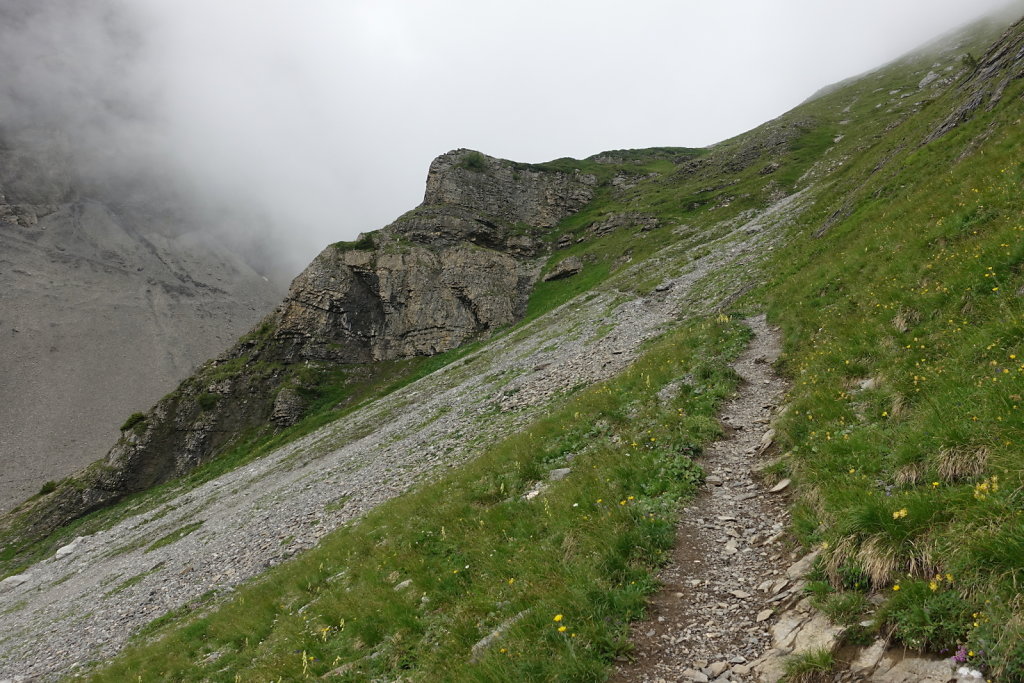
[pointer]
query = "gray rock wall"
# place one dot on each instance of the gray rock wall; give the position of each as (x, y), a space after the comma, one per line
(103, 310)
(358, 306)
(512, 192)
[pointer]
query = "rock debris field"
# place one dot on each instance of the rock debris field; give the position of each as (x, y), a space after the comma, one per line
(83, 603)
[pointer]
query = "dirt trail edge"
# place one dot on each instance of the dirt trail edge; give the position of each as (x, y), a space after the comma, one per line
(711, 619)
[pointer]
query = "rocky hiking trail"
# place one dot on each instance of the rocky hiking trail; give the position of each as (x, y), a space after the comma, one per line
(733, 605)
(84, 603)
(730, 568)
(710, 620)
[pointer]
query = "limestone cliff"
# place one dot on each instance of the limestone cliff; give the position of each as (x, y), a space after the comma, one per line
(988, 79)
(458, 267)
(355, 306)
(507, 191)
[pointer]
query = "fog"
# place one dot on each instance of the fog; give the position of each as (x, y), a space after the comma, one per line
(301, 123)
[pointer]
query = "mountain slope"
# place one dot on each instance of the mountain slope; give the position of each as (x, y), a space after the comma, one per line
(106, 305)
(879, 223)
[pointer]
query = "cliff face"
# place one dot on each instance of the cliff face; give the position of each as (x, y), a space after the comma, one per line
(990, 75)
(108, 303)
(510, 192)
(458, 267)
(356, 306)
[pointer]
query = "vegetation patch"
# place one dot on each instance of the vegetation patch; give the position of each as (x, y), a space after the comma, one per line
(48, 487)
(365, 242)
(174, 536)
(810, 667)
(133, 420)
(207, 401)
(473, 161)
(138, 578)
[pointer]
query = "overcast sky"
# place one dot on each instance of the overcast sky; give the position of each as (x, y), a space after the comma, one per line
(323, 115)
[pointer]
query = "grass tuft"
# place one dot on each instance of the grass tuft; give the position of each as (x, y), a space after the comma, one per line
(174, 536)
(810, 667)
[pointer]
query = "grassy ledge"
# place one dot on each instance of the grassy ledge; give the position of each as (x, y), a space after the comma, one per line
(416, 587)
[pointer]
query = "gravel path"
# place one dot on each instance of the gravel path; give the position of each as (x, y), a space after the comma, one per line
(85, 604)
(712, 616)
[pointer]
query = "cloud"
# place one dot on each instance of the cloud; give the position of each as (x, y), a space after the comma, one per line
(299, 124)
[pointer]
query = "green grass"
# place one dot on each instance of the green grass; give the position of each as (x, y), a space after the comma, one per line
(549, 295)
(364, 243)
(133, 420)
(478, 554)
(810, 667)
(473, 161)
(207, 401)
(174, 536)
(47, 487)
(137, 579)
(916, 484)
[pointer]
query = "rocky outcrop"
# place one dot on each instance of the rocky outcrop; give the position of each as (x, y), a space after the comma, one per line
(459, 266)
(456, 268)
(1002, 64)
(621, 221)
(516, 193)
(355, 306)
(565, 268)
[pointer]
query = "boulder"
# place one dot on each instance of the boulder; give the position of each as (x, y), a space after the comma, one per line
(565, 268)
(12, 582)
(68, 549)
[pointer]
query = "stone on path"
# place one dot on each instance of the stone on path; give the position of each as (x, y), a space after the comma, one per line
(559, 474)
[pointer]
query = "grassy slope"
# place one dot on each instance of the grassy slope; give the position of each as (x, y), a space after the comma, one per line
(914, 284)
(914, 486)
(574, 564)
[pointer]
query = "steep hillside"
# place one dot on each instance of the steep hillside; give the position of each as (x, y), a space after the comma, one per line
(107, 304)
(498, 509)
(460, 266)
